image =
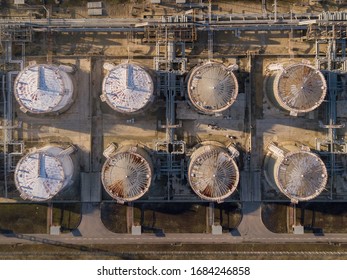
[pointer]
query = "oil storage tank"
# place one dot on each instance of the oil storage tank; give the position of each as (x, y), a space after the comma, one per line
(297, 172)
(43, 88)
(127, 88)
(299, 88)
(212, 88)
(212, 172)
(43, 173)
(127, 173)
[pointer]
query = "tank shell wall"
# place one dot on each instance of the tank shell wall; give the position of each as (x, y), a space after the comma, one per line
(299, 88)
(212, 88)
(43, 173)
(128, 88)
(127, 174)
(300, 175)
(213, 173)
(43, 89)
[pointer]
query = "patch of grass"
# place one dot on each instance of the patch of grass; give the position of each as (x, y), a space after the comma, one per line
(30, 218)
(171, 217)
(67, 215)
(113, 216)
(274, 216)
(23, 218)
(326, 217)
(228, 215)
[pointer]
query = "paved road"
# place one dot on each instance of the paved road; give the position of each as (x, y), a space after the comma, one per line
(114, 238)
(91, 224)
(251, 226)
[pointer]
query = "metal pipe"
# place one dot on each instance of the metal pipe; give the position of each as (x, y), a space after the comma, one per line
(5, 134)
(8, 112)
(275, 14)
(263, 7)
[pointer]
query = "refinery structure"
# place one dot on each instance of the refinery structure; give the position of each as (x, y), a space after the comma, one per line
(43, 89)
(213, 173)
(300, 174)
(212, 88)
(43, 173)
(299, 88)
(127, 173)
(200, 105)
(127, 88)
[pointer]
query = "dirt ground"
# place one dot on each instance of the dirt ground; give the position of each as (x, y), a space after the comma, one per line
(314, 216)
(18, 218)
(173, 218)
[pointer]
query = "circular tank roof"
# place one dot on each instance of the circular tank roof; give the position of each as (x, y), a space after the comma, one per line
(126, 176)
(43, 89)
(212, 88)
(300, 88)
(300, 175)
(39, 176)
(128, 88)
(213, 173)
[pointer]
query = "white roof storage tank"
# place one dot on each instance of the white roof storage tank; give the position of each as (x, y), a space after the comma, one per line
(299, 88)
(212, 87)
(299, 174)
(44, 88)
(213, 173)
(43, 173)
(127, 173)
(127, 88)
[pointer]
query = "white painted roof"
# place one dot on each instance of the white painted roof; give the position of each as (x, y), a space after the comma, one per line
(128, 88)
(212, 88)
(301, 175)
(213, 173)
(43, 89)
(300, 88)
(43, 173)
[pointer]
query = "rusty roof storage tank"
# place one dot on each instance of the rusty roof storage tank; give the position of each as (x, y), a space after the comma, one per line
(212, 88)
(43, 173)
(298, 173)
(299, 88)
(43, 88)
(213, 173)
(127, 88)
(127, 173)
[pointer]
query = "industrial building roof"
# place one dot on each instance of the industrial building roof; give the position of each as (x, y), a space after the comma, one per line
(128, 88)
(300, 88)
(43, 89)
(127, 175)
(213, 173)
(212, 88)
(39, 176)
(301, 175)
